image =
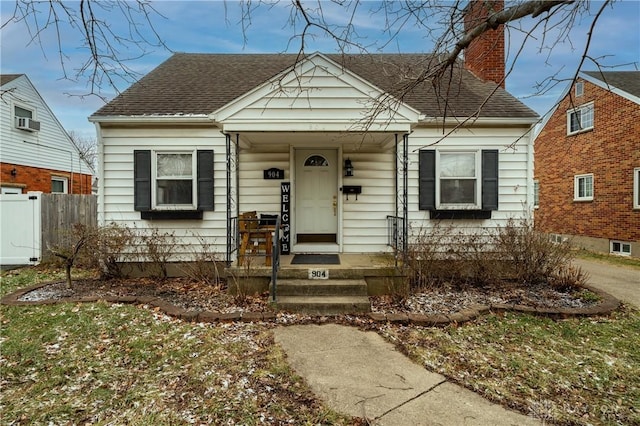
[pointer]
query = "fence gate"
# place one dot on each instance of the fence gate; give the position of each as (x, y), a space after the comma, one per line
(20, 229)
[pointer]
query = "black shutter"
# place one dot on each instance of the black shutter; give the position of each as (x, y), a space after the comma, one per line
(142, 180)
(427, 183)
(490, 179)
(205, 180)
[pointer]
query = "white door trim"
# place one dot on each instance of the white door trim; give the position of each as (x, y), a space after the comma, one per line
(315, 247)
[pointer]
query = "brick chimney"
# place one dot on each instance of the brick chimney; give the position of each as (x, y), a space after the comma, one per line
(485, 55)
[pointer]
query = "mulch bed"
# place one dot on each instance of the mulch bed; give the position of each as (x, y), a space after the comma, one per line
(439, 305)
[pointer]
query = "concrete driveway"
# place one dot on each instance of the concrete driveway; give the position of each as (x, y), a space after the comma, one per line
(622, 282)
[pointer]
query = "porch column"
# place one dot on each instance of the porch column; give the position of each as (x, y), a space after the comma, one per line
(232, 193)
(405, 195)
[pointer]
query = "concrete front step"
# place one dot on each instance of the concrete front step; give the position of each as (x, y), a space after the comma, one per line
(299, 287)
(324, 305)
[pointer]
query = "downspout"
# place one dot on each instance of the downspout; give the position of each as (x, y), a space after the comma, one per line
(100, 172)
(71, 162)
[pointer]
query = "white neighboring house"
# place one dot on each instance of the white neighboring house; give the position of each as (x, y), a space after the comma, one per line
(205, 137)
(36, 153)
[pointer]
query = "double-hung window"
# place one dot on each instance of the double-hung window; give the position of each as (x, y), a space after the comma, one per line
(580, 119)
(173, 180)
(174, 185)
(583, 187)
(453, 182)
(458, 180)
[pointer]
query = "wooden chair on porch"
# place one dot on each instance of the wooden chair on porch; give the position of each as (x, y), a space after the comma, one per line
(255, 240)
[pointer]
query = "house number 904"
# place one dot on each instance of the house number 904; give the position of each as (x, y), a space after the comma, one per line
(318, 274)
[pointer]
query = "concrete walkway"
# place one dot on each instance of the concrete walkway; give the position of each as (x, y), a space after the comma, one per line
(360, 374)
(622, 282)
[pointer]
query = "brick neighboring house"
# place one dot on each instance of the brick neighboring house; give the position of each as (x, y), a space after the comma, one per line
(36, 153)
(587, 164)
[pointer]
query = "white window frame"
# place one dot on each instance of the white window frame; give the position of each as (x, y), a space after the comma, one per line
(536, 193)
(579, 88)
(65, 184)
(10, 190)
(576, 187)
(477, 204)
(25, 107)
(636, 188)
(154, 179)
(587, 113)
(621, 251)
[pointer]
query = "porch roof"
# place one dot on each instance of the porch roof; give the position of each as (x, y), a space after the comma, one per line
(198, 84)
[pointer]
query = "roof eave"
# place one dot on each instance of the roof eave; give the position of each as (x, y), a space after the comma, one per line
(480, 121)
(606, 86)
(152, 119)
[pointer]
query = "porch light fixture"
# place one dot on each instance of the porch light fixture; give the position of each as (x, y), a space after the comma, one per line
(14, 172)
(348, 168)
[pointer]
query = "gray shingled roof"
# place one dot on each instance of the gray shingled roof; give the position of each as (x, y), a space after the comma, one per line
(628, 81)
(6, 78)
(189, 83)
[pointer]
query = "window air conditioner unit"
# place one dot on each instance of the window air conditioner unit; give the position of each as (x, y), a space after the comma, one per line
(25, 123)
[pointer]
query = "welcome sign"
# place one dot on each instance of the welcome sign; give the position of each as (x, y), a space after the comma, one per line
(285, 204)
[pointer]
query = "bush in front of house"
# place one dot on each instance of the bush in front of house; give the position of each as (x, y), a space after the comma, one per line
(515, 252)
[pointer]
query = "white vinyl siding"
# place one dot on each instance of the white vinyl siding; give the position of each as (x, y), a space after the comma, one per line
(115, 195)
(48, 148)
(364, 226)
(515, 171)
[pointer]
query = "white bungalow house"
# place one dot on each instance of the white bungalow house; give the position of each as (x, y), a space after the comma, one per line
(325, 141)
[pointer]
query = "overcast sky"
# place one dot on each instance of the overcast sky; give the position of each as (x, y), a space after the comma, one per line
(216, 27)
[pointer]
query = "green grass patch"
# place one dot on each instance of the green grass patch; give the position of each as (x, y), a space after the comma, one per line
(16, 279)
(577, 371)
(103, 363)
(609, 258)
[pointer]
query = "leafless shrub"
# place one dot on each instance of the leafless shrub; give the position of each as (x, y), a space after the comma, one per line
(237, 284)
(444, 254)
(529, 255)
(515, 252)
(204, 267)
(72, 247)
(568, 278)
(108, 249)
(157, 248)
(424, 258)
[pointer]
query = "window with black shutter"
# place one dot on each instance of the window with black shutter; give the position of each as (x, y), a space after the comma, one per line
(458, 184)
(173, 184)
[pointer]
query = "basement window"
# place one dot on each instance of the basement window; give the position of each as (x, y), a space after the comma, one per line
(620, 248)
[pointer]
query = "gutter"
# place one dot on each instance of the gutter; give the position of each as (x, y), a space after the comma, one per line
(481, 121)
(152, 119)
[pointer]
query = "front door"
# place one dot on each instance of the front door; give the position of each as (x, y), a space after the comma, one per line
(316, 195)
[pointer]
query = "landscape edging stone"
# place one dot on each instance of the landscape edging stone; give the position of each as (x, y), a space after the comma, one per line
(607, 305)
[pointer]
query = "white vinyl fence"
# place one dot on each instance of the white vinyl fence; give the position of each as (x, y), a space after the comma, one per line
(20, 229)
(29, 223)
